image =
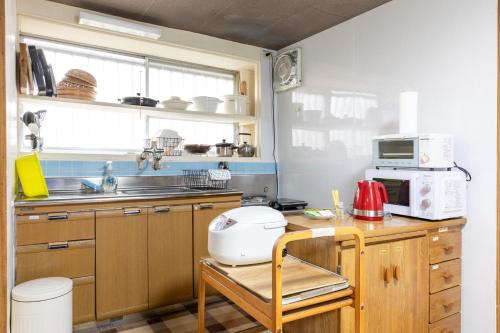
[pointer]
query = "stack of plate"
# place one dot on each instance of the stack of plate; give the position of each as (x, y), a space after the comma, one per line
(77, 84)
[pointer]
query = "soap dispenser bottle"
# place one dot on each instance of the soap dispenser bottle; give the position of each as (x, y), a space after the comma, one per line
(109, 181)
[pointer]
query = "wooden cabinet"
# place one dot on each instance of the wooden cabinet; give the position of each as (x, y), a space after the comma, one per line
(170, 254)
(59, 243)
(69, 259)
(54, 227)
(83, 299)
(396, 286)
(445, 250)
(203, 214)
(450, 324)
(121, 261)
(445, 275)
(445, 245)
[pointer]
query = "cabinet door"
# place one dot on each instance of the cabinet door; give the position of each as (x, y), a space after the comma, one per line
(203, 214)
(121, 262)
(408, 294)
(170, 254)
(396, 287)
(377, 305)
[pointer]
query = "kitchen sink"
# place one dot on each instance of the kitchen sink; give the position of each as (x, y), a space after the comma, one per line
(165, 190)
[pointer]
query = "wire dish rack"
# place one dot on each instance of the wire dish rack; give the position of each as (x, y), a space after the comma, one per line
(171, 146)
(198, 179)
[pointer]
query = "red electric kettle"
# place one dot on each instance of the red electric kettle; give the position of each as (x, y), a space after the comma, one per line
(369, 201)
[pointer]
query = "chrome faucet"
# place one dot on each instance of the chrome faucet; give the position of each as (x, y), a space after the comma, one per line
(152, 151)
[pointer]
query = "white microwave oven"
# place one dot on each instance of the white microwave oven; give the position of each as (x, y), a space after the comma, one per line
(432, 151)
(431, 195)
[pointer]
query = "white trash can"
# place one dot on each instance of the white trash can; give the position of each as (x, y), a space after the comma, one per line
(43, 306)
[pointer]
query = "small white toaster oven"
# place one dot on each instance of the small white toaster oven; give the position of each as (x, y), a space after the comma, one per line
(413, 151)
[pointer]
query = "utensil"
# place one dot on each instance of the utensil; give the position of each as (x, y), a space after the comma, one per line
(28, 118)
(175, 102)
(243, 88)
(206, 104)
(369, 201)
(139, 100)
(224, 149)
(245, 149)
(197, 148)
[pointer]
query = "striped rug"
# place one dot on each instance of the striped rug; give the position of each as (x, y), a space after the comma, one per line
(221, 316)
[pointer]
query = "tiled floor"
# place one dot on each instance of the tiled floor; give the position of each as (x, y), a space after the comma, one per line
(221, 316)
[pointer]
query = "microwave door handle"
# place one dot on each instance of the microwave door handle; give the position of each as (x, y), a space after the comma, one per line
(414, 207)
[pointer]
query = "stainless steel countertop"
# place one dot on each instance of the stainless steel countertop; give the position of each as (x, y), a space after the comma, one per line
(80, 197)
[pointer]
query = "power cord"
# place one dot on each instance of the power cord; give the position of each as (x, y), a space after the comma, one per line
(270, 55)
(468, 176)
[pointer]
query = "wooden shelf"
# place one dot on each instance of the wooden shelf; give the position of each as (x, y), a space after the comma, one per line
(157, 112)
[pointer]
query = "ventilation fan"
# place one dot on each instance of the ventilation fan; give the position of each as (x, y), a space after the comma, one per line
(287, 70)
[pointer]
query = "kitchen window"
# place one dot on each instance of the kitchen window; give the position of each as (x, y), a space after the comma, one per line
(91, 130)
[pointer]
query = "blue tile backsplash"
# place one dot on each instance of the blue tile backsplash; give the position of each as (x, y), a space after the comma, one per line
(54, 168)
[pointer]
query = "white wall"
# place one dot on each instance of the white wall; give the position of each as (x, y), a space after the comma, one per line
(11, 103)
(445, 50)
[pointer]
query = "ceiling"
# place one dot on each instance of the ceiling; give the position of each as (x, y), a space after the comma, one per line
(271, 24)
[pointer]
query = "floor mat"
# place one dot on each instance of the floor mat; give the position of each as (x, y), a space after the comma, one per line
(221, 316)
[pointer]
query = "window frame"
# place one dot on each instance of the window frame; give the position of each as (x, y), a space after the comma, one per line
(93, 152)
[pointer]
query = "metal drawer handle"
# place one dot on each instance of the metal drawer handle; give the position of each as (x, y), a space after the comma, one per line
(58, 245)
(206, 206)
(57, 216)
(131, 211)
(162, 209)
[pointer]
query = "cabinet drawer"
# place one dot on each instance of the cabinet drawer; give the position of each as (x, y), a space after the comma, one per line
(444, 304)
(445, 275)
(447, 325)
(83, 299)
(68, 259)
(445, 246)
(54, 227)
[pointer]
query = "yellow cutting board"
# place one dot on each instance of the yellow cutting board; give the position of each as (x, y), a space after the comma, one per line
(31, 176)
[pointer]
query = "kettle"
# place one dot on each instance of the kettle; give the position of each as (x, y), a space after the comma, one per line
(369, 201)
(245, 150)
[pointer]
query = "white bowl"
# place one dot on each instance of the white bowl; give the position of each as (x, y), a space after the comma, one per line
(175, 103)
(206, 104)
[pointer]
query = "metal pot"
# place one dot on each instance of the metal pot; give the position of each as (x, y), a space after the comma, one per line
(138, 100)
(246, 150)
(224, 149)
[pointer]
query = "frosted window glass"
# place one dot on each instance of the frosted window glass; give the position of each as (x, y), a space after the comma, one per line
(166, 80)
(118, 75)
(65, 129)
(194, 131)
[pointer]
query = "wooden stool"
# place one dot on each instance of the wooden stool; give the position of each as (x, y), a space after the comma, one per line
(273, 313)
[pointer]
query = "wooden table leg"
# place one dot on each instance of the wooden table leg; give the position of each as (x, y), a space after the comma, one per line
(201, 301)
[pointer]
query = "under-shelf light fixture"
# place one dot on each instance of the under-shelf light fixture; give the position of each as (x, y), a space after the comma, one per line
(123, 26)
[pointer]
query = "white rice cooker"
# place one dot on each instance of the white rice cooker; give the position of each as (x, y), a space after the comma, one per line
(245, 235)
